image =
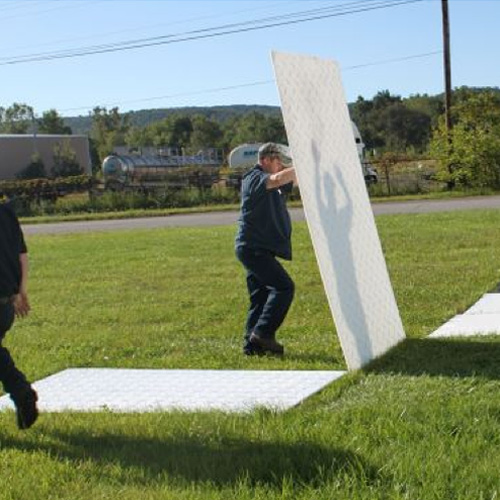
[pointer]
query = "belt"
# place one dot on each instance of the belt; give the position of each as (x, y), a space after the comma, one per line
(5, 300)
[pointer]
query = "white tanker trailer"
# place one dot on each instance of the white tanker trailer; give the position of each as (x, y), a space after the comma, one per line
(135, 171)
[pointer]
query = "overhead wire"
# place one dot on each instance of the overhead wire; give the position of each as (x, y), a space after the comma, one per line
(123, 45)
(249, 84)
(346, 8)
(73, 5)
(218, 31)
(148, 27)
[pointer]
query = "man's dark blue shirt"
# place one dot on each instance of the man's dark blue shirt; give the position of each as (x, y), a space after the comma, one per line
(264, 222)
(11, 245)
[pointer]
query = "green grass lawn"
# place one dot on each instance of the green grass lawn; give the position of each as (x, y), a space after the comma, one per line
(423, 422)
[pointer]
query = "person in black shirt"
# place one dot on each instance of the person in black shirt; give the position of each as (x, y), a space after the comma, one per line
(264, 233)
(14, 302)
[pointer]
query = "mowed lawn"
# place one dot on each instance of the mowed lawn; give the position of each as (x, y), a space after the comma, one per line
(423, 422)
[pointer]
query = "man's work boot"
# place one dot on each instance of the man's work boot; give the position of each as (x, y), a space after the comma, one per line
(26, 409)
(267, 344)
(250, 349)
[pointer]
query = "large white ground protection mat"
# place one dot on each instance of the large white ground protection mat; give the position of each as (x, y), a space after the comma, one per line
(483, 318)
(144, 390)
(337, 207)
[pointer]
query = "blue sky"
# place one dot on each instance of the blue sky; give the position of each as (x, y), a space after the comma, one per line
(393, 47)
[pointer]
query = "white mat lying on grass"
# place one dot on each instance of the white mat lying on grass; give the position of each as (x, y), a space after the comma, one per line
(144, 390)
(483, 318)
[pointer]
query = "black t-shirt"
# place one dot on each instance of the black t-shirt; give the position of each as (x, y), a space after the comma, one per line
(264, 222)
(11, 245)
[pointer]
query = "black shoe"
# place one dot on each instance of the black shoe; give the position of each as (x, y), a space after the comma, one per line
(26, 410)
(267, 344)
(252, 350)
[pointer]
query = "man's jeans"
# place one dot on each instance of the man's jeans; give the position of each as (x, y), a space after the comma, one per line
(13, 380)
(270, 289)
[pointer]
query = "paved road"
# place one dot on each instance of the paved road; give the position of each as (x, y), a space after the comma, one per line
(227, 218)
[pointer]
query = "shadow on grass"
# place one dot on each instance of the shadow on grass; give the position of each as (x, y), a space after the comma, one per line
(221, 461)
(315, 357)
(459, 358)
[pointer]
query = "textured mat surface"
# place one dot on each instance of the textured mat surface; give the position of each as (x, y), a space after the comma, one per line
(337, 207)
(133, 390)
(483, 318)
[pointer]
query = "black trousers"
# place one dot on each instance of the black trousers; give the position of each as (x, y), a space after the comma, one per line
(12, 379)
(270, 289)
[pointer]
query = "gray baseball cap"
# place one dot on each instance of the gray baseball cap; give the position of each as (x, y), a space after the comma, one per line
(269, 149)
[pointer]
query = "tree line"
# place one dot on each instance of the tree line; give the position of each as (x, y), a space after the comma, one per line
(467, 155)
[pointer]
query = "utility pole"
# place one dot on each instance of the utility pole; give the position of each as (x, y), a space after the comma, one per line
(447, 68)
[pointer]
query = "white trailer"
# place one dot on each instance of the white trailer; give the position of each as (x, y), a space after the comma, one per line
(245, 156)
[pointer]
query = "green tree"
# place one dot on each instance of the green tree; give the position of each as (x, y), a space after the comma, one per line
(432, 106)
(206, 134)
(109, 129)
(403, 129)
(173, 131)
(34, 170)
(94, 156)
(16, 119)
(181, 131)
(361, 113)
(388, 123)
(158, 133)
(254, 128)
(368, 117)
(470, 154)
(137, 137)
(65, 162)
(52, 123)
(384, 99)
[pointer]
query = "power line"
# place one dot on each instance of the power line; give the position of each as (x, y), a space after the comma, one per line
(224, 30)
(251, 84)
(82, 3)
(126, 45)
(180, 94)
(142, 28)
(396, 59)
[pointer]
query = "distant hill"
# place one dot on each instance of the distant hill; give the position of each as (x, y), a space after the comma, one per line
(143, 117)
(425, 103)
